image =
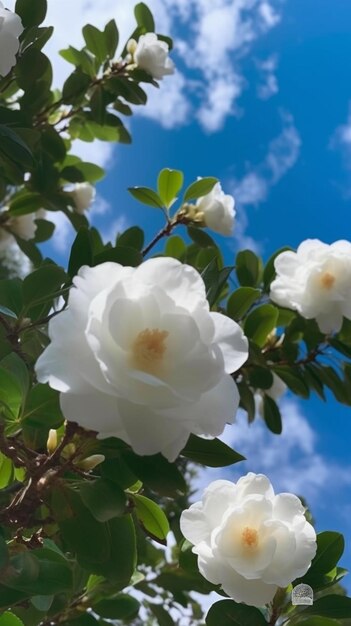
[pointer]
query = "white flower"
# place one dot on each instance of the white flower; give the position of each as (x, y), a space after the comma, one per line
(315, 281)
(24, 226)
(10, 30)
(83, 196)
(275, 392)
(151, 55)
(138, 355)
(218, 210)
(249, 540)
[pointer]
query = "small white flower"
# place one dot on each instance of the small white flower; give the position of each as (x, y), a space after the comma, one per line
(315, 281)
(151, 54)
(83, 196)
(10, 30)
(249, 540)
(217, 209)
(24, 226)
(138, 355)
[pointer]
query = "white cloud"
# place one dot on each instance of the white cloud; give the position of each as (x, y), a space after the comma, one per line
(219, 33)
(341, 140)
(111, 230)
(268, 86)
(291, 460)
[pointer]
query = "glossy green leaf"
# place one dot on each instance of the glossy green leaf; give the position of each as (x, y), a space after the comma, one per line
(330, 547)
(31, 13)
(6, 471)
(123, 607)
(293, 379)
(40, 285)
(11, 295)
(132, 238)
(146, 196)
(11, 394)
(9, 619)
(81, 252)
(4, 310)
(201, 238)
(260, 377)
(271, 415)
(151, 517)
(41, 412)
(330, 606)
(200, 188)
(75, 87)
(104, 499)
(248, 268)
(157, 473)
(175, 247)
(210, 452)
(260, 323)
(241, 301)
(318, 621)
(111, 38)
(13, 147)
(229, 613)
(169, 184)
(127, 89)
(96, 42)
(120, 254)
(144, 17)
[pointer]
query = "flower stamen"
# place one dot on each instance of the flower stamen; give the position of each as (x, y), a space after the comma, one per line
(148, 350)
(249, 537)
(327, 280)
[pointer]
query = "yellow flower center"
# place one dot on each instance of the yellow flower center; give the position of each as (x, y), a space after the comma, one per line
(148, 350)
(249, 537)
(327, 280)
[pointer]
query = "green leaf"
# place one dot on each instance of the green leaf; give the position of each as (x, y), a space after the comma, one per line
(248, 268)
(127, 89)
(163, 617)
(120, 254)
(151, 517)
(123, 607)
(260, 322)
(200, 188)
(11, 295)
(11, 395)
(271, 415)
(260, 377)
(42, 603)
(8, 312)
(157, 473)
(104, 499)
(168, 185)
(247, 400)
(330, 547)
(215, 280)
(15, 148)
(210, 452)
(241, 301)
(229, 613)
(146, 196)
(95, 41)
(144, 17)
(31, 13)
(111, 38)
(293, 379)
(41, 412)
(132, 238)
(201, 238)
(24, 202)
(175, 247)
(9, 619)
(318, 621)
(33, 67)
(41, 285)
(330, 606)
(81, 252)
(75, 87)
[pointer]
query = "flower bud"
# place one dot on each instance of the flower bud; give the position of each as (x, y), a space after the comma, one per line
(51, 443)
(91, 462)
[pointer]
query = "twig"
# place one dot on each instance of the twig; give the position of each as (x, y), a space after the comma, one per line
(164, 232)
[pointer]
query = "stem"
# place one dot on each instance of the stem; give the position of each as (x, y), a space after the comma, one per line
(164, 232)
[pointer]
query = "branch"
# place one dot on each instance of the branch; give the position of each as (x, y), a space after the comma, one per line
(164, 232)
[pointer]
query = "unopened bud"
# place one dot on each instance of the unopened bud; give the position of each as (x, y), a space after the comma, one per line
(91, 462)
(69, 451)
(131, 46)
(51, 443)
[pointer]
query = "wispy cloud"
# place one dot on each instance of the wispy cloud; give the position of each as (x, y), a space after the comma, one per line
(268, 84)
(254, 187)
(291, 460)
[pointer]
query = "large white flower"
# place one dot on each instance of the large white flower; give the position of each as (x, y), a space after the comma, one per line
(249, 540)
(217, 210)
(10, 30)
(24, 226)
(83, 195)
(138, 355)
(151, 54)
(315, 281)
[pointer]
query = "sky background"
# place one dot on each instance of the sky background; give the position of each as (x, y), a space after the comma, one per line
(262, 100)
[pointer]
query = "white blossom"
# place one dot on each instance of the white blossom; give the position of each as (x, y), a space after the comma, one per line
(24, 226)
(315, 281)
(138, 355)
(83, 196)
(217, 210)
(249, 540)
(10, 30)
(151, 54)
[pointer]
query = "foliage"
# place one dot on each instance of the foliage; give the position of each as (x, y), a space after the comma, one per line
(77, 539)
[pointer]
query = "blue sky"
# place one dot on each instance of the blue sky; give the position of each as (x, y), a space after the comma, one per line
(261, 100)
